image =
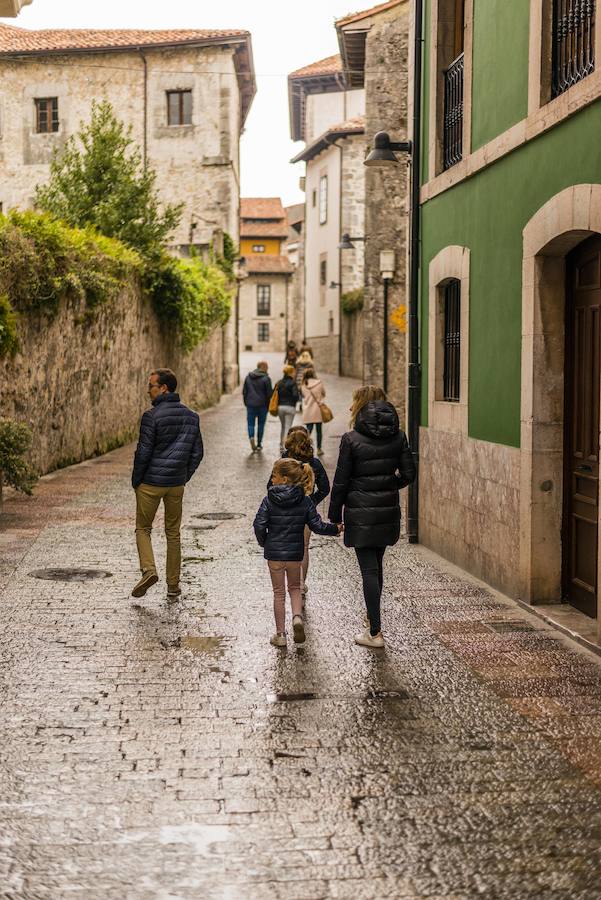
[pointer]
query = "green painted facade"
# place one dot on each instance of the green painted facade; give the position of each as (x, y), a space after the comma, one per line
(489, 211)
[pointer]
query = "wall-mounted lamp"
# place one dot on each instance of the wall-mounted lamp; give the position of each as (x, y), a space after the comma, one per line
(383, 153)
(346, 241)
(335, 284)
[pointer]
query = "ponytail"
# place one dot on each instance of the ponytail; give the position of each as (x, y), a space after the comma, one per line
(307, 478)
(295, 472)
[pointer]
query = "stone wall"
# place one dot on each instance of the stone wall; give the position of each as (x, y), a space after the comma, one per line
(469, 505)
(82, 387)
(325, 353)
(386, 206)
(352, 362)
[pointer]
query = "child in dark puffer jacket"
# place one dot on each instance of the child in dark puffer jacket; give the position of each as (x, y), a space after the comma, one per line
(279, 526)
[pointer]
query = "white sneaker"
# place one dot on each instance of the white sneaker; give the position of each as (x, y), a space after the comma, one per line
(298, 627)
(366, 640)
(278, 640)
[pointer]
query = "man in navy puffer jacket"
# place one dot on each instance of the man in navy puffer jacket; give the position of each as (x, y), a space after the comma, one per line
(168, 453)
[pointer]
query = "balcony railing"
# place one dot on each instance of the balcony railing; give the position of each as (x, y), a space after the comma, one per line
(453, 114)
(573, 43)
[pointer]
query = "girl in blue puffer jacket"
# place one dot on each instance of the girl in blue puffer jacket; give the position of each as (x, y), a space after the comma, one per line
(279, 526)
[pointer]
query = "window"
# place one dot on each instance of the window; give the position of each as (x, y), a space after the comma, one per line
(452, 341)
(331, 323)
(179, 107)
(314, 198)
(323, 199)
(264, 300)
(573, 43)
(258, 248)
(450, 72)
(46, 115)
(453, 91)
(263, 332)
(323, 272)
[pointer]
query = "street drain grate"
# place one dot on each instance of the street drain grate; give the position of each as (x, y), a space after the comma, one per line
(288, 698)
(509, 626)
(70, 574)
(220, 516)
(309, 695)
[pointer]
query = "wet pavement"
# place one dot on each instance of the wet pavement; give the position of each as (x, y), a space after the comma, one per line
(168, 751)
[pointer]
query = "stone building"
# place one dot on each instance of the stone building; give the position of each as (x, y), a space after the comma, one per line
(374, 52)
(266, 270)
(295, 250)
(329, 119)
(510, 299)
(186, 95)
(10, 8)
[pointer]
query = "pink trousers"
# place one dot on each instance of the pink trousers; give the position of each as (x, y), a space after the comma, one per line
(280, 573)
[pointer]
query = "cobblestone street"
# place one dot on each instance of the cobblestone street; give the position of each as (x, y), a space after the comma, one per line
(168, 751)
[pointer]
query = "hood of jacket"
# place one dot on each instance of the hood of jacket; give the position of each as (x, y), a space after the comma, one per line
(305, 358)
(166, 398)
(258, 373)
(286, 494)
(379, 420)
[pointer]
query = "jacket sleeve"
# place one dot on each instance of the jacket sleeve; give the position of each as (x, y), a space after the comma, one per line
(407, 471)
(342, 480)
(316, 523)
(145, 448)
(296, 393)
(245, 391)
(197, 453)
(268, 390)
(322, 483)
(261, 523)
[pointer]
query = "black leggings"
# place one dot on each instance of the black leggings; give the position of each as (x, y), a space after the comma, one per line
(319, 428)
(370, 561)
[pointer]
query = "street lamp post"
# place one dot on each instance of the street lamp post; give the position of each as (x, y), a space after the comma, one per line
(387, 263)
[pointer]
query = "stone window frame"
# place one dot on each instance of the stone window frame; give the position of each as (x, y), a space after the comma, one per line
(169, 92)
(436, 110)
(264, 297)
(556, 228)
(323, 198)
(263, 329)
(541, 59)
(451, 263)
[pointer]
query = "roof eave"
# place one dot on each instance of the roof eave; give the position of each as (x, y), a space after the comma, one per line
(322, 143)
(298, 88)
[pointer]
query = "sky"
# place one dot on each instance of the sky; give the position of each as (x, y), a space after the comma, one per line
(286, 35)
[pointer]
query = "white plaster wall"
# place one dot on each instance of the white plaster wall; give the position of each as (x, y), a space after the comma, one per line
(197, 164)
(320, 239)
(325, 110)
(249, 320)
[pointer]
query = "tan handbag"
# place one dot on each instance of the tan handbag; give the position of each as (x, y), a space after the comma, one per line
(274, 403)
(326, 413)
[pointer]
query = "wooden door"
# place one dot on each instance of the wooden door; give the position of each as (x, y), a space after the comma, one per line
(583, 387)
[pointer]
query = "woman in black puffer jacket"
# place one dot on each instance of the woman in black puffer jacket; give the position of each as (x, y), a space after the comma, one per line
(374, 463)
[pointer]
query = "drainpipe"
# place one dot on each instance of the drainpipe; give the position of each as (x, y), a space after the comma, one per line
(145, 117)
(414, 393)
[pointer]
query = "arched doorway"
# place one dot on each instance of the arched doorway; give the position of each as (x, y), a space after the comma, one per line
(580, 531)
(560, 249)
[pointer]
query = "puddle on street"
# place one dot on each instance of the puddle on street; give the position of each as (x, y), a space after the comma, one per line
(212, 645)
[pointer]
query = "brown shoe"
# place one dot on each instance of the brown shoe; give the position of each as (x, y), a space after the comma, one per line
(174, 592)
(146, 581)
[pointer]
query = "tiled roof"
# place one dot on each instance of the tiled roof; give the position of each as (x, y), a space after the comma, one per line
(355, 125)
(264, 264)
(296, 213)
(21, 40)
(261, 208)
(331, 65)
(364, 14)
(253, 228)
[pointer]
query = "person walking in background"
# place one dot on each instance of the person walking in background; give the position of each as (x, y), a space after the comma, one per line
(374, 463)
(313, 395)
(288, 397)
(168, 453)
(299, 446)
(279, 528)
(256, 392)
(291, 355)
(305, 361)
(306, 348)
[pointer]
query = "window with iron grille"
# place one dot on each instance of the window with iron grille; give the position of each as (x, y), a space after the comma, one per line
(452, 341)
(323, 199)
(323, 272)
(263, 332)
(46, 115)
(453, 113)
(263, 299)
(573, 43)
(179, 107)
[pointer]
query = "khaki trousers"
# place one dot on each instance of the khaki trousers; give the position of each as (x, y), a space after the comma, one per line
(148, 498)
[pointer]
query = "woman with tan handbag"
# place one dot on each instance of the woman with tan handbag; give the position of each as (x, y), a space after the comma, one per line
(283, 403)
(315, 410)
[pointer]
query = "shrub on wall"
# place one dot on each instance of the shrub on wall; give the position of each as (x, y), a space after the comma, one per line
(193, 295)
(352, 301)
(15, 441)
(8, 327)
(43, 261)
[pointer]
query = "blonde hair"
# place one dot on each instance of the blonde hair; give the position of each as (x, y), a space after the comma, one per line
(289, 370)
(294, 472)
(305, 358)
(362, 396)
